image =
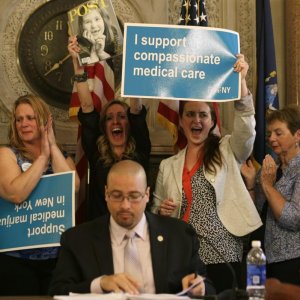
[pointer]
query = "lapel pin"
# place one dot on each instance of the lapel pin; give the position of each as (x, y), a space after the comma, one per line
(160, 238)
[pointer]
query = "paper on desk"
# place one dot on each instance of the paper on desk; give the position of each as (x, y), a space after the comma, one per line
(110, 296)
(157, 297)
(119, 296)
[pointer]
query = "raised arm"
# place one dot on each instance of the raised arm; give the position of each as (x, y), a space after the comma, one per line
(136, 106)
(139, 130)
(243, 135)
(85, 97)
(242, 67)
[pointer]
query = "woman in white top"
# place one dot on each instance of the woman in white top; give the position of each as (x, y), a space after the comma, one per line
(202, 184)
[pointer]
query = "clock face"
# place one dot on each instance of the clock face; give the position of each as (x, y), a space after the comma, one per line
(43, 55)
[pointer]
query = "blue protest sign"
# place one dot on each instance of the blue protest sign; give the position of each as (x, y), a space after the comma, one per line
(180, 62)
(40, 220)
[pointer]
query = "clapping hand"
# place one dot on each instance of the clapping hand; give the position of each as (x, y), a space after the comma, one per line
(268, 171)
(249, 173)
(49, 127)
(45, 147)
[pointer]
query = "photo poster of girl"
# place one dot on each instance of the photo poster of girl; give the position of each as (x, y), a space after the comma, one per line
(97, 29)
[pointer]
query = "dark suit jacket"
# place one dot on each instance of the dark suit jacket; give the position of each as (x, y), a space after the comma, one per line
(86, 253)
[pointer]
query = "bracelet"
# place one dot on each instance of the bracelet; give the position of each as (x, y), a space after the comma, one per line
(80, 77)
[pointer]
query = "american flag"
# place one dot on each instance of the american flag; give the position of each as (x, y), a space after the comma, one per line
(193, 13)
(101, 83)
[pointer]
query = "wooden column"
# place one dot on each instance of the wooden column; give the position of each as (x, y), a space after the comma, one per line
(292, 35)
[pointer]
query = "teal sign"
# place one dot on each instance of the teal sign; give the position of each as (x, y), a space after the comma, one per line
(42, 218)
(180, 62)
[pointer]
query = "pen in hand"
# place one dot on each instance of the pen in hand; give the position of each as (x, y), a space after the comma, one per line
(197, 280)
(195, 276)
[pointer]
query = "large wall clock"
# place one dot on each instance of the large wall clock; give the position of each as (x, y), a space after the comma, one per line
(42, 52)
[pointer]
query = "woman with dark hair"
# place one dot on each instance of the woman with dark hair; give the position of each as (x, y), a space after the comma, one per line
(31, 153)
(121, 132)
(202, 184)
(276, 192)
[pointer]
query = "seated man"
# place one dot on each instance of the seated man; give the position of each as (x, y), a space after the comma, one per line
(93, 256)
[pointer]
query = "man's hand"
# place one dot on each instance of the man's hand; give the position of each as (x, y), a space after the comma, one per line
(120, 283)
(275, 290)
(199, 289)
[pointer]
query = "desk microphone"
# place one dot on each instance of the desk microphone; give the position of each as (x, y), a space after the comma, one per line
(230, 294)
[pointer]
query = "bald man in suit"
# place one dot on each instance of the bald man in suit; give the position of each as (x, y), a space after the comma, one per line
(92, 254)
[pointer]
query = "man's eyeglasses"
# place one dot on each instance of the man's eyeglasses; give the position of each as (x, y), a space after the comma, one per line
(133, 197)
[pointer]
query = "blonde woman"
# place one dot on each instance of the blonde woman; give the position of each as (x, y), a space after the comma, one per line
(119, 132)
(31, 153)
